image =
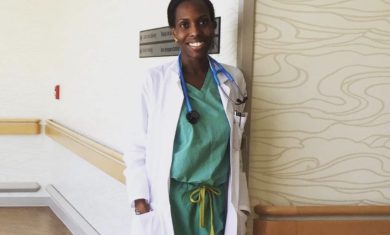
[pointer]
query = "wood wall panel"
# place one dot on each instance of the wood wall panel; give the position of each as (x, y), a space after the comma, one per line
(320, 124)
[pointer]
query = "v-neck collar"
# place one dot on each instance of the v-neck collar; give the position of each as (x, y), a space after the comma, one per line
(193, 90)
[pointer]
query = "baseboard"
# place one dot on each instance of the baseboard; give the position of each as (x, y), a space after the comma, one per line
(68, 214)
(24, 201)
(103, 157)
(19, 126)
(12, 187)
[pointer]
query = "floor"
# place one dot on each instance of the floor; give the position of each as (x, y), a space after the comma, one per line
(101, 200)
(30, 221)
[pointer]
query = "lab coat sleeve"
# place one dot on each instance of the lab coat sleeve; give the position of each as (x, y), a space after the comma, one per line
(244, 194)
(244, 204)
(137, 182)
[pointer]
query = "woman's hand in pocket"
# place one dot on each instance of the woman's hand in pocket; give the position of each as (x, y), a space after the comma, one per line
(141, 206)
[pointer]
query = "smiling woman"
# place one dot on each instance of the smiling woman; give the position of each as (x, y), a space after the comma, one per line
(183, 170)
(193, 30)
(90, 48)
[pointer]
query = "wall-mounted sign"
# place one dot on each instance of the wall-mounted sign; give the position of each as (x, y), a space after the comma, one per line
(159, 42)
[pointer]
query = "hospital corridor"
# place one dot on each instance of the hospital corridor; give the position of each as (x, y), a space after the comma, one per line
(101, 108)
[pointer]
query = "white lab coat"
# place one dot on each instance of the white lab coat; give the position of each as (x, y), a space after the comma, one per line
(149, 154)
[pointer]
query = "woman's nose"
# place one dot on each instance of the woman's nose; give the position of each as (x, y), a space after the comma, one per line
(194, 30)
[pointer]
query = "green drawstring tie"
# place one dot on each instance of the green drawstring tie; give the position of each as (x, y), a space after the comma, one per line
(199, 196)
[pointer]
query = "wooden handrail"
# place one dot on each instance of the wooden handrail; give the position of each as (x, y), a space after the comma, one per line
(345, 210)
(20, 120)
(106, 159)
(20, 126)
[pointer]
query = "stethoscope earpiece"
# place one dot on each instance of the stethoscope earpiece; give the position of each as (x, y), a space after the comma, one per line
(239, 101)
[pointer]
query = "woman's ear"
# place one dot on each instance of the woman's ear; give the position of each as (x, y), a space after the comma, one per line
(214, 24)
(173, 34)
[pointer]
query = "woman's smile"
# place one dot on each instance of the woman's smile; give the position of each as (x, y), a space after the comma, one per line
(196, 45)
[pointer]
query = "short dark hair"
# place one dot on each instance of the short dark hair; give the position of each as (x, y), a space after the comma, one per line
(175, 3)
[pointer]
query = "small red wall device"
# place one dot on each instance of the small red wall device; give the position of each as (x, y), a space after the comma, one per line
(57, 92)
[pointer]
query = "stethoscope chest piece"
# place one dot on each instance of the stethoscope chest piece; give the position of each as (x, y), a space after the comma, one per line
(192, 117)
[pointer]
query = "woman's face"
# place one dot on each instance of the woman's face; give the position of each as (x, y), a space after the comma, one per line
(194, 30)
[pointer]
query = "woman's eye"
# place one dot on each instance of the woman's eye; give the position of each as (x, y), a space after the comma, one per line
(184, 25)
(203, 22)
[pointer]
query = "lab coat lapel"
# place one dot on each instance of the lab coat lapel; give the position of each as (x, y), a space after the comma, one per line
(225, 101)
(176, 97)
(175, 101)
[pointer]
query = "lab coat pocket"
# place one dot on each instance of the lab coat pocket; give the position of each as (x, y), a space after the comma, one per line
(241, 222)
(239, 120)
(146, 224)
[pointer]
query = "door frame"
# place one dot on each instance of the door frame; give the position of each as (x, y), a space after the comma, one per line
(245, 55)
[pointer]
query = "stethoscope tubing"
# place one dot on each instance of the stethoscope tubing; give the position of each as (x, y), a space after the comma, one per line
(214, 64)
(215, 68)
(184, 86)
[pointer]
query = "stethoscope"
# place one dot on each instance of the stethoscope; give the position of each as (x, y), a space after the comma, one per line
(215, 67)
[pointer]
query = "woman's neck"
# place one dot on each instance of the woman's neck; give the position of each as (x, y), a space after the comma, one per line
(195, 70)
(195, 66)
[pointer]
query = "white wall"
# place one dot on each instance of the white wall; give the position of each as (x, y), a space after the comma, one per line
(26, 57)
(89, 48)
(98, 44)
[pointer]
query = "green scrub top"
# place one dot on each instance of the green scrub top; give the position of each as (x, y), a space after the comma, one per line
(200, 164)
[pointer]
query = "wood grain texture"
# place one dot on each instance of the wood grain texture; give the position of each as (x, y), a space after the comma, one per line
(335, 220)
(321, 227)
(321, 210)
(320, 126)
